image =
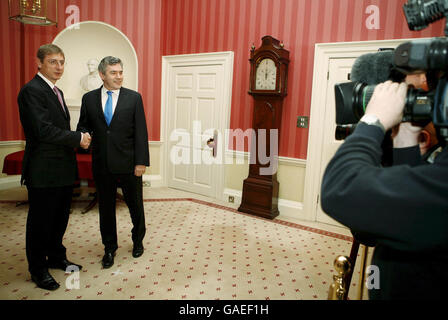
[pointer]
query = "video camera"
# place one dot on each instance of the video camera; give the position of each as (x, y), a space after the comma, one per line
(428, 55)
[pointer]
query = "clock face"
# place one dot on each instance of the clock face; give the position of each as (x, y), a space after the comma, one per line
(266, 75)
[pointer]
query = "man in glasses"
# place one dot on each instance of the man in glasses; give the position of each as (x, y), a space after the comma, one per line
(49, 166)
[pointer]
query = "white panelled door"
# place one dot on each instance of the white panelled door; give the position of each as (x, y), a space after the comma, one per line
(339, 69)
(335, 59)
(195, 102)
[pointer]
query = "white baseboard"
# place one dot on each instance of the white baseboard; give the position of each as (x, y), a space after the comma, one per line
(290, 209)
(236, 194)
(9, 182)
(153, 181)
(287, 208)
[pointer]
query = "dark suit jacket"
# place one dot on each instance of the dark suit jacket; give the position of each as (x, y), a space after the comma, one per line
(117, 148)
(49, 159)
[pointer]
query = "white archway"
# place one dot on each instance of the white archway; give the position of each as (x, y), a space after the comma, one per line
(93, 39)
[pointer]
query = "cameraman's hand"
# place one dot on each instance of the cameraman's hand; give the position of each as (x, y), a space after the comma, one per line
(387, 103)
(405, 135)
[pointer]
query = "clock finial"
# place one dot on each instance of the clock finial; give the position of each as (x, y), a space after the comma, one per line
(252, 48)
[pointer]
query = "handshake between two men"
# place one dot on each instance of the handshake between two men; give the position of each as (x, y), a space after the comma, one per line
(119, 159)
(86, 139)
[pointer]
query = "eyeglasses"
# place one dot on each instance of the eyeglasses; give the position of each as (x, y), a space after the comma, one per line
(55, 62)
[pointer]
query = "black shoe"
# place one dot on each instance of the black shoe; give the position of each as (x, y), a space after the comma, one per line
(108, 260)
(138, 250)
(63, 265)
(45, 281)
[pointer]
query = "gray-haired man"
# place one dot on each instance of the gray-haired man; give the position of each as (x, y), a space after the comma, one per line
(116, 119)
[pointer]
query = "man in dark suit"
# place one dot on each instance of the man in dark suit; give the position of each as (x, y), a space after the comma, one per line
(49, 166)
(116, 119)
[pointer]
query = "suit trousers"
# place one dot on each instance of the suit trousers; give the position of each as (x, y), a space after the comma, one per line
(132, 187)
(48, 215)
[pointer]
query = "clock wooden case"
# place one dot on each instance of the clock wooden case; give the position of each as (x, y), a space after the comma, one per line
(268, 87)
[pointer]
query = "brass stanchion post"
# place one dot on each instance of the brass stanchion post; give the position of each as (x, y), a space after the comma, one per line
(338, 288)
(362, 272)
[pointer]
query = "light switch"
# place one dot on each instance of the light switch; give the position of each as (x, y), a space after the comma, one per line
(302, 122)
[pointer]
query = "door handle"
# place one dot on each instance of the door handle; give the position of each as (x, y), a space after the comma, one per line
(213, 143)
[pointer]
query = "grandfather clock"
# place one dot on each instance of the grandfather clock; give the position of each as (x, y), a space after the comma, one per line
(268, 82)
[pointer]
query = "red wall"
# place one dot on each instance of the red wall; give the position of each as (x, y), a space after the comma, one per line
(10, 128)
(139, 20)
(192, 26)
(168, 27)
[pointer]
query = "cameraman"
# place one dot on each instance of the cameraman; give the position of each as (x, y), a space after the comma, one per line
(427, 136)
(402, 210)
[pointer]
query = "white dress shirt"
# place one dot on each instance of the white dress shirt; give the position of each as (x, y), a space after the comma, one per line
(51, 84)
(105, 96)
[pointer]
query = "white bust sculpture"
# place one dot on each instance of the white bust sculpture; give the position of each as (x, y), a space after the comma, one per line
(91, 80)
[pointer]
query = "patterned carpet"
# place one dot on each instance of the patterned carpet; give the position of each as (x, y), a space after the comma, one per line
(194, 250)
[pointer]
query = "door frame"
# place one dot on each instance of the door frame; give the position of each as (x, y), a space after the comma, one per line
(191, 60)
(323, 53)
